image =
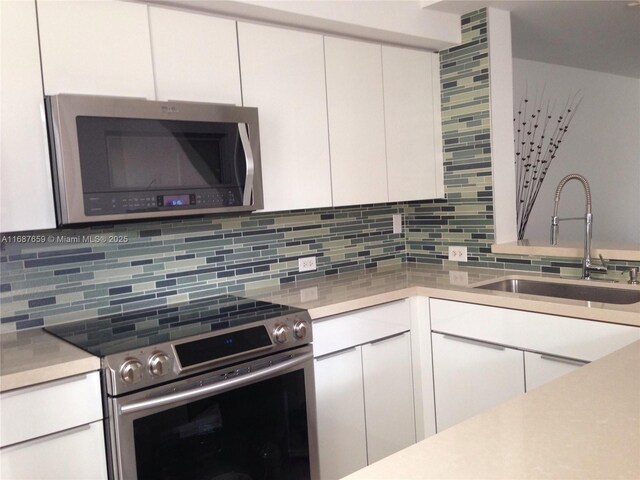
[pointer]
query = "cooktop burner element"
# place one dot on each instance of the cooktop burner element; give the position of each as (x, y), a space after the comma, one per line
(147, 347)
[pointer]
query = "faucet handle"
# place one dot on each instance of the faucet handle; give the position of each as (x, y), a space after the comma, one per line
(604, 264)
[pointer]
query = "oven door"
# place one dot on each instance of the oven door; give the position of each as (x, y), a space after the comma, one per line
(252, 421)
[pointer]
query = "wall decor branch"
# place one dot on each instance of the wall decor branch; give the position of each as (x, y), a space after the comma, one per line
(538, 136)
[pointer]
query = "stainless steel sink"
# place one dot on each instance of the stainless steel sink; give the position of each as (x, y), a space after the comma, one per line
(590, 293)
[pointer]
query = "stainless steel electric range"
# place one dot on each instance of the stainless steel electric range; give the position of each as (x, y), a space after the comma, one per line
(220, 388)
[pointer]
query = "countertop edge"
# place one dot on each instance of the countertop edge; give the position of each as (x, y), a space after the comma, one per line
(49, 373)
(522, 247)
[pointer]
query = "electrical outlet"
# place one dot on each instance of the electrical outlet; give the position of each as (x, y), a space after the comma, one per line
(307, 264)
(458, 254)
(397, 223)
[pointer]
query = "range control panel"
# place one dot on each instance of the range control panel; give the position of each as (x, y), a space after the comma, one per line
(139, 368)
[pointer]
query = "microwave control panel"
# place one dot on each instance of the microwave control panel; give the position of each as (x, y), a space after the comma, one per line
(133, 202)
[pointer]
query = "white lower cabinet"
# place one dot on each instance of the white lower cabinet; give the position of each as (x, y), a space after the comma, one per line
(388, 392)
(541, 368)
(485, 355)
(342, 438)
(53, 430)
(471, 377)
(364, 390)
(78, 453)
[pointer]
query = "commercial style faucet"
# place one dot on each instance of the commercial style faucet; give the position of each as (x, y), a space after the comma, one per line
(587, 266)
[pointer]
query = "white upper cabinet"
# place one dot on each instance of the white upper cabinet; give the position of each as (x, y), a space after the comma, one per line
(356, 122)
(95, 47)
(283, 76)
(195, 57)
(26, 193)
(410, 87)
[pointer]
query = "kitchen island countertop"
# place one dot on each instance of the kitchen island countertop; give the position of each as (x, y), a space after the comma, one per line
(584, 425)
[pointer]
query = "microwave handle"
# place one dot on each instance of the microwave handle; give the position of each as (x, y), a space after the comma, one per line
(248, 155)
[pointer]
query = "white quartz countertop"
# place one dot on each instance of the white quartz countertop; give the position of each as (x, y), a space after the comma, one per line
(33, 356)
(585, 425)
(335, 294)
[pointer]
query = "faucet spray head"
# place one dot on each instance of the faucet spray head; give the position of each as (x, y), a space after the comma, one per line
(555, 229)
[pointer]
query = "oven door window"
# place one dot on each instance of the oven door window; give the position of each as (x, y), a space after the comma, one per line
(137, 155)
(257, 432)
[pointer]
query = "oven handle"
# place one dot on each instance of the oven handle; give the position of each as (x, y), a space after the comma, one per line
(215, 388)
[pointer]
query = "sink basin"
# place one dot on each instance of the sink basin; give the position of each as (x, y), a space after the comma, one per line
(590, 293)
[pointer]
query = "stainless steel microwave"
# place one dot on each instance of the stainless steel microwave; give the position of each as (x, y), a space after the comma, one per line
(118, 158)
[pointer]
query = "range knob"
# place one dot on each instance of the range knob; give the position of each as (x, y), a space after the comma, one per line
(159, 364)
(281, 333)
(301, 329)
(131, 371)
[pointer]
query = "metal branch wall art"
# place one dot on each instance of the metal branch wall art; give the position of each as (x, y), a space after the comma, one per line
(538, 136)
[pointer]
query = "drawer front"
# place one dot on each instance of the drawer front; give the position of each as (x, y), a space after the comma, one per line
(359, 327)
(568, 337)
(78, 453)
(50, 407)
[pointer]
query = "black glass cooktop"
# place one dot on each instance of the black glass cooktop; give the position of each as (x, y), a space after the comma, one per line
(110, 334)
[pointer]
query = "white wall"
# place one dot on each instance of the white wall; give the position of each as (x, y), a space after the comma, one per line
(502, 148)
(602, 144)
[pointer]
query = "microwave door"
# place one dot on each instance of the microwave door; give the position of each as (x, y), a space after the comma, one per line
(248, 183)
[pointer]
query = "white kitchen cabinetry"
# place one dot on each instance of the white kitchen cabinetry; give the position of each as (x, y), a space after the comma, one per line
(542, 368)
(342, 440)
(538, 332)
(95, 48)
(195, 57)
(42, 424)
(78, 453)
(388, 390)
(412, 123)
(482, 355)
(470, 377)
(364, 387)
(26, 192)
(283, 76)
(385, 128)
(356, 122)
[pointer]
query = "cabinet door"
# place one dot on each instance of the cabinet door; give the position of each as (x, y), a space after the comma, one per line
(540, 369)
(410, 124)
(45, 408)
(26, 194)
(283, 75)
(78, 453)
(356, 122)
(471, 377)
(340, 412)
(95, 48)
(195, 57)
(388, 393)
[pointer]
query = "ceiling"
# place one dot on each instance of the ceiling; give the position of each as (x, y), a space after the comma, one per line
(595, 35)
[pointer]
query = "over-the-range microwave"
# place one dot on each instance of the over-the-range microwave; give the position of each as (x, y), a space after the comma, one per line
(116, 158)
